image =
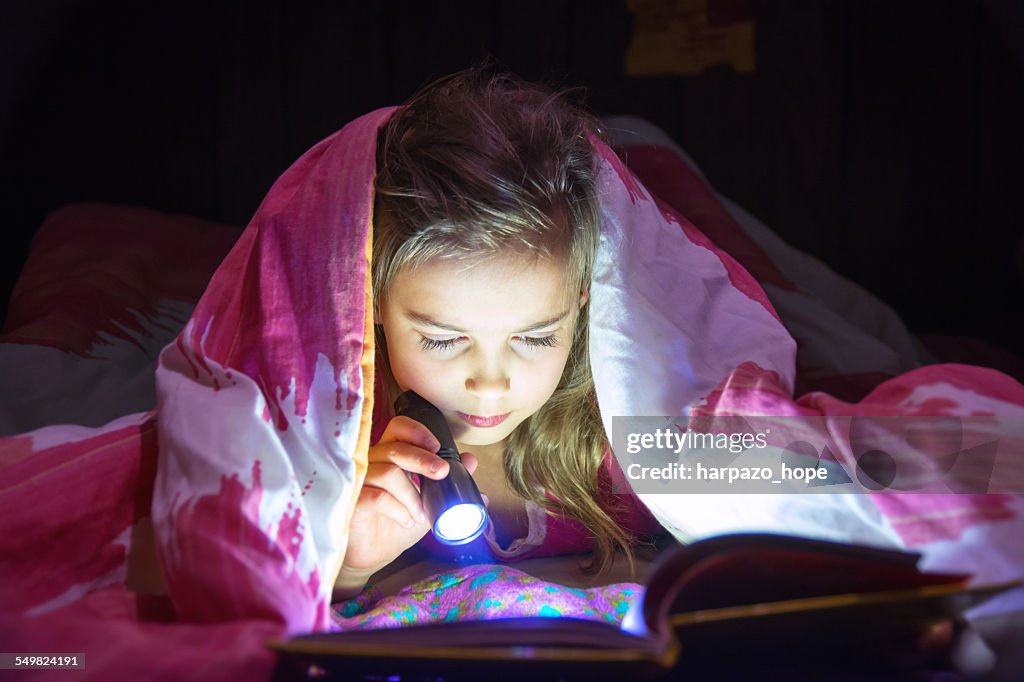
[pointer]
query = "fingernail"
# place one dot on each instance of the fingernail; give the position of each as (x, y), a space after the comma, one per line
(423, 517)
(435, 467)
(410, 523)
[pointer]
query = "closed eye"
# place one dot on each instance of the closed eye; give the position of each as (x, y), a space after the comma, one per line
(437, 344)
(539, 341)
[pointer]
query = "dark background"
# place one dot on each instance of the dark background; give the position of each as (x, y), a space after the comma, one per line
(884, 137)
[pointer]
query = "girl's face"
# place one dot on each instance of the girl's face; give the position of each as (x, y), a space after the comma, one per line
(486, 343)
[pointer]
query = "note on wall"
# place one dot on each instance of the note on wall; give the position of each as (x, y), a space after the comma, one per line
(672, 37)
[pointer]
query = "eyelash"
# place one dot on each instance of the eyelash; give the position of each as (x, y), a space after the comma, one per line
(548, 341)
(433, 344)
(447, 344)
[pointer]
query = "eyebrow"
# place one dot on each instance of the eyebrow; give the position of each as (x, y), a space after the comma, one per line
(427, 320)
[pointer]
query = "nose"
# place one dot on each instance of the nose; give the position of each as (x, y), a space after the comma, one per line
(488, 380)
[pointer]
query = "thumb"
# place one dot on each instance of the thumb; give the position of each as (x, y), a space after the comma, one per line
(470, 460)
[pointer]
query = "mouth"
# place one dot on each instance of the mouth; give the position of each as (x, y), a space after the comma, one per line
(483, 422)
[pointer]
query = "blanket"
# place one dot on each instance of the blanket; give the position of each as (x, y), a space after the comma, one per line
(483, 592)
(244, 476)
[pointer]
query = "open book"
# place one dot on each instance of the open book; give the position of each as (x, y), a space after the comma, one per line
(759, 597)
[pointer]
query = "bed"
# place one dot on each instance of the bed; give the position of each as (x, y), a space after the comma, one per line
(107, 287)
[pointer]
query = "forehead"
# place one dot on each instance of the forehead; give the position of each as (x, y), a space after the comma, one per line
(502, 293)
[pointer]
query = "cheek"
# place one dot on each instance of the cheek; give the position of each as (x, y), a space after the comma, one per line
(414, 371)
(408, 373)
(402, 369)
(546, 375)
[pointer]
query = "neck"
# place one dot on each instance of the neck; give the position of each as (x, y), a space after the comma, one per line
(490, 456)
(505, 507)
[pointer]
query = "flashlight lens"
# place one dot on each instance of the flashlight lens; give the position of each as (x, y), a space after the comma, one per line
(460, 524)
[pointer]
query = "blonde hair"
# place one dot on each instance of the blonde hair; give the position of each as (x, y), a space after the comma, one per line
(477, 165)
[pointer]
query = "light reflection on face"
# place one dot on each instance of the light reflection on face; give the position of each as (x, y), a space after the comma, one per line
(484, 342)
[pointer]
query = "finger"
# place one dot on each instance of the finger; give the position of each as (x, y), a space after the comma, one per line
(393, 480)
(409, 430)
(470, 460)
(377, 501)
(410, 457)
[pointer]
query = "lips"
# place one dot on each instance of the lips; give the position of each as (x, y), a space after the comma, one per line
(483, 422)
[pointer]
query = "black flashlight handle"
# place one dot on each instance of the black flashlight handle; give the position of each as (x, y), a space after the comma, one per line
(411, 404)
(458, 486)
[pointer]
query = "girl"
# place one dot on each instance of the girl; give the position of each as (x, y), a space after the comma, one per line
(485, 231)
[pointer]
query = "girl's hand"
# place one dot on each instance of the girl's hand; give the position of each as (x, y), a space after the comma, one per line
(389, 517)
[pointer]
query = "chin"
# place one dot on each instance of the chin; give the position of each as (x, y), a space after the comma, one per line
(474, 437)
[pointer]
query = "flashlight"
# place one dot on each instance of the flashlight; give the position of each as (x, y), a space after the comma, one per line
(453, 504)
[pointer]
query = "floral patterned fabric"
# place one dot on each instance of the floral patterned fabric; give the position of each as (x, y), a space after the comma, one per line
(482, 592)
